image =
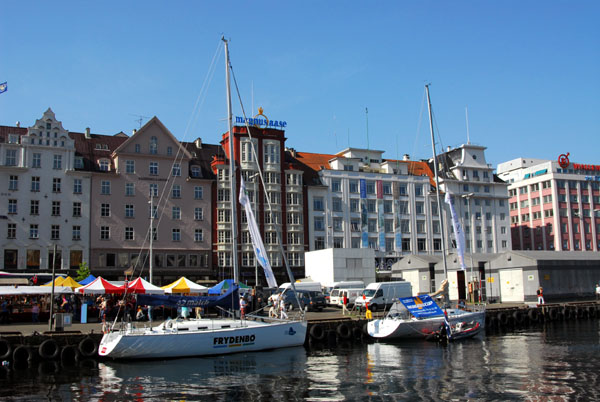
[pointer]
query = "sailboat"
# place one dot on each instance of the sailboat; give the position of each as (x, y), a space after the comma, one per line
(204, 337)
(420, 316)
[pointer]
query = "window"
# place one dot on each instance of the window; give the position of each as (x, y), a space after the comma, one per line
(195, 171)
(198, 215)
(103, 165)
(169, 150)
(34, 231)
(223, 194)
(176, 191)
(198, 192)
(153, 145)
(78, 162)
(336, 185)
(36, 162)
(271, 152)
(34, 207)
(318, 204)
(129, 211)
(57, 164)
(198, 237)
(176, 235)
(370, 187)
(436, 227)
(293, 198)
(418, 190)
(76, 209)
(354, 202)
(371, 206)
(405, 226)
(13, 183)
(153, 212)
(422, 244)
(294, 218)
(138, 148)
(224, 215)
(35, 184)
(372, 225)
(247, 155)
(337, 224)
(105, 210)
(11, 157)
(76, 233)
(421, 226)
(104, 233)
(387, 188)
(129, 233)
(56, 185)
(176, 213)
(55, 208)
(105, 187)
(176, 169)
(336, 204)
(319, 242)
(353, 184)
(130, 167)
(129, 189)
(271, 237)
(55, 232)
(419, 207)
(77, 186)
(12, 206)
(153, 190)
(319, 223)
(402, 190)
(405, 244)
(153, 170)
(11, 232)
(338, 242)
(387, 206)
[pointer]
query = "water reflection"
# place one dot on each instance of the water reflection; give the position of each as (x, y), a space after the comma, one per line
(556, 361)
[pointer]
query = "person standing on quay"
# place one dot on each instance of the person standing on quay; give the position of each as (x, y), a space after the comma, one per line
(597, 291)
(345, 304)
(540, 295)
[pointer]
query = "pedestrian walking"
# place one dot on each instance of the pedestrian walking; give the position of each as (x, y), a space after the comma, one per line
(540, 295)
(283, 314)
(35, 312)
(345, 304)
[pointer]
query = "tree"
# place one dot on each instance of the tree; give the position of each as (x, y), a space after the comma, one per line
(83, 271)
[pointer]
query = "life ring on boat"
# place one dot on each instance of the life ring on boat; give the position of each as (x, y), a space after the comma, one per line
(518, 317)
(22, 353)
(69, 354)
(533, 315)
(5, 349)
(553, 314)
(317, 332)
(48, 349)
(343, 330)
(87, 347)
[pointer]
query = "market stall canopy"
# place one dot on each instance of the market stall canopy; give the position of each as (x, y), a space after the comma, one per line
(87, 280)
(223, 286)
(184, 285)
(57, 281)
(140, 286)
(33, 290)
(70, 282)
(100, 286)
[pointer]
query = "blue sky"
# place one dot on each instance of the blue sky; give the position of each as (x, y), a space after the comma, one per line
(528, 71)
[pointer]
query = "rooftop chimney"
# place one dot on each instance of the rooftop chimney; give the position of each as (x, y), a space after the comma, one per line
(18, 124)
(133, 131)
(87, 133)
(198, 143)
(406, 157)
(448, 148)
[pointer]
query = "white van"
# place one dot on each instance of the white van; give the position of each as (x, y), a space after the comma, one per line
(379, 295)
(338, 299)
(334, 290)
(314, 286)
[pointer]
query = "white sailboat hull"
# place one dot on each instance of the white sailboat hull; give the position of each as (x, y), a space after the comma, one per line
(406, 328)
(201, 338)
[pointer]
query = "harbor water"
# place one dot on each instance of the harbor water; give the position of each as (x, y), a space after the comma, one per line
(557, 361)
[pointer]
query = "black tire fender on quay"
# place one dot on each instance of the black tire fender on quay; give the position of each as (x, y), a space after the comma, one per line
(553, 314)
(518, 317)
(592, 311)
(5, 349)
(22, 353)
(343, 330)
(69, 354)
(87, 347)
(533, 315)
(48, 349)
(317, 332)
(503, 318)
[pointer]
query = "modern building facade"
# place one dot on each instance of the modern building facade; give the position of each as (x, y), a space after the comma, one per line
(554, 205)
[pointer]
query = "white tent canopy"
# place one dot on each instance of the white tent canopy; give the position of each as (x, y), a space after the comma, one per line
(33, 290)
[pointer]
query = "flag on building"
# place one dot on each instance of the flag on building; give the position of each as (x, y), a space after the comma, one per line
(458, 231)
(257, 243)
(3, 87)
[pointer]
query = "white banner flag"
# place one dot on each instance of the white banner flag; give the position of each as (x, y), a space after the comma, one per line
(257, 243)
(458, 231)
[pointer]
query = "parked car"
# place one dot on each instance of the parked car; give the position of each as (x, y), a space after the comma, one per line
(309, 299)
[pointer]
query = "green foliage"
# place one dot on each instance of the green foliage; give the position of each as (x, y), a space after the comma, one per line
(83, 271)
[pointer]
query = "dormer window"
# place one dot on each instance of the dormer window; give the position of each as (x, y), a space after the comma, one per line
(48, 125)
(195, 171)
(153, 145)
(103, 165)
(137, 148)
(13, 139)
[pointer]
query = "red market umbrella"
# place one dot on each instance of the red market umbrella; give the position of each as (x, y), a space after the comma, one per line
(100, 286)
(140, 286)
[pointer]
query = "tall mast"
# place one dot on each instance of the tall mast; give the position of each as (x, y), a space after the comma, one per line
(151, 231)
(437, 182)
(232, 181)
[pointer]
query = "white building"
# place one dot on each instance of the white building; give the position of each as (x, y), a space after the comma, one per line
(45, 202)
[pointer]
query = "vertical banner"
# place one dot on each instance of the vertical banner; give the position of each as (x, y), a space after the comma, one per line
(364, 222)
(257, 243)
(458, 231)
(380, 216)
(397, 229)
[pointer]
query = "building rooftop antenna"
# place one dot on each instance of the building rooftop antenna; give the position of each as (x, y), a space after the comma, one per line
(140, 119)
